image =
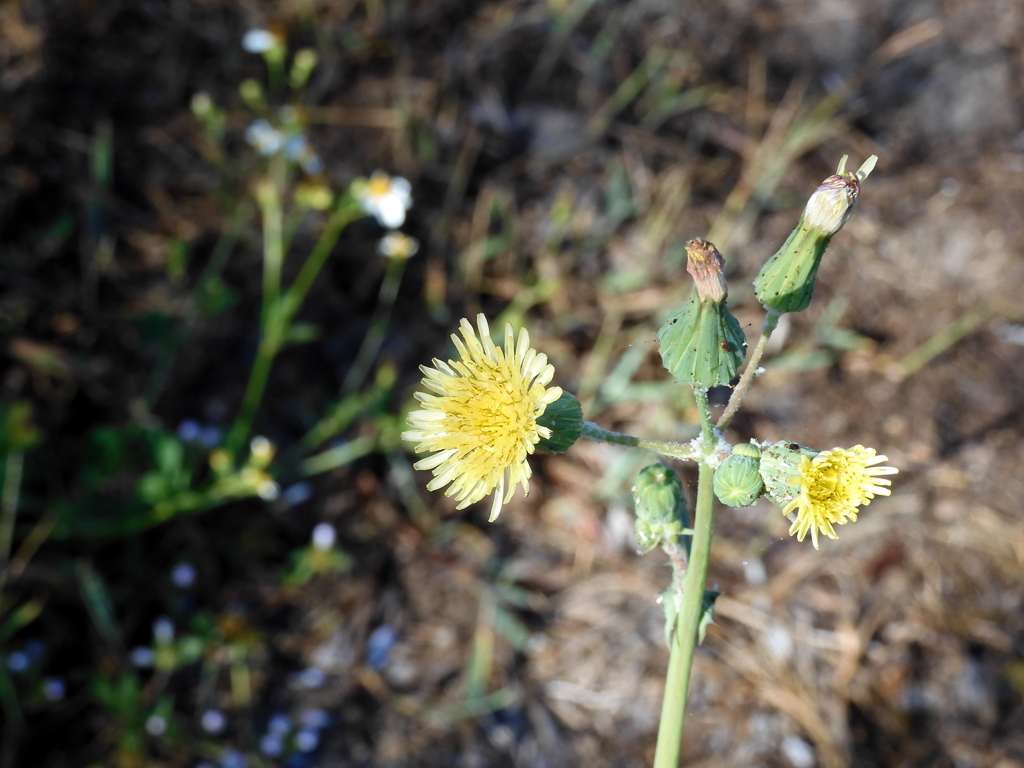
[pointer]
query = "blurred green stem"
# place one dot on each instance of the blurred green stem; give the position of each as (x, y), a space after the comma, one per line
(338, 456)
(771, 322)
(268, 195)
(378, 327)
(278, 313)
(9, 510)
(684, 640)
(684, 451)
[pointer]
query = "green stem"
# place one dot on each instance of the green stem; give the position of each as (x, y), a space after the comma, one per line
(277, 317)
(338, 456)
(257, 384)
(378, 327)
(684, 641)
(292, 300)
(771, 322)
(9, 509)
(273, 239)
(271, 327)
(684, 451)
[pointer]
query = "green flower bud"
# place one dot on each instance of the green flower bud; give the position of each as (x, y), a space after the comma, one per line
(660, 505)
(786, 282)
(701, 343)
(738, 479)
(252, 94)
(303, 64)
(564, 418)
(780, 465)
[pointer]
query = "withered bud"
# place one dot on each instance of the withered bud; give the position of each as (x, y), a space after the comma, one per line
(705, 263)
(831, 205)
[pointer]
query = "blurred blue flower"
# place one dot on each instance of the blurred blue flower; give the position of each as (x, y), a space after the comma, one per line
(279, 724)
(307, 740)
(298, 150)
(314, 719)
(53, 689)
(183, 575)
(379, 645)
(232, 758)
(209, 437)
(35, 647)
(189, 430)
(311, 677)
(17, 661)
(297, 494)
(142, 657)
(163, 630)
(271, 745)
(264, 138)
(213, 721)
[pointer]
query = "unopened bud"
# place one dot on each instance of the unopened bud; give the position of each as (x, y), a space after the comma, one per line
(705, 263)
(303, 64)
(738, 480)
(786, 282)
(660, 505)
(831, 205)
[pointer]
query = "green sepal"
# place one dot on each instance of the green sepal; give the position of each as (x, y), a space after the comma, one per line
(702, 344)
(660, 506)
(780, 470)
(786, 281)
(738, 480)
(564, 418)
(707, 614)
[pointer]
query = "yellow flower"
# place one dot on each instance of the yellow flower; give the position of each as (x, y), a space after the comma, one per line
(479, 416)
(832, 485)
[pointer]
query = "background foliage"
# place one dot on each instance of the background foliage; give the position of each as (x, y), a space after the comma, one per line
(560, 153)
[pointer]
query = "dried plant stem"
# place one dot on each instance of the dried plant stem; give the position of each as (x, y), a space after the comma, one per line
(771, 321)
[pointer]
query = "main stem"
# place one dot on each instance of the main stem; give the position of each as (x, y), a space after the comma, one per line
(684, 641)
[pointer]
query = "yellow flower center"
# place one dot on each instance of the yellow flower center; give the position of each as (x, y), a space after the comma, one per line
(480, 414)
(378, 185)
(832, 486)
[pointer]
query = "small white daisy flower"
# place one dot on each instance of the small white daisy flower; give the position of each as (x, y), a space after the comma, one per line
(384, 197)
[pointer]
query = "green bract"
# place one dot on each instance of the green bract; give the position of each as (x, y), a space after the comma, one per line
(702, 344)
(564, 418)
(780, 467)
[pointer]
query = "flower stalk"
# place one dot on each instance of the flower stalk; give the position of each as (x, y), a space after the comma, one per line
(484, 414)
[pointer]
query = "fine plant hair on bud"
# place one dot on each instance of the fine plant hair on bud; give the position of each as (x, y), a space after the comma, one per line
(705, 263)
(831, 205)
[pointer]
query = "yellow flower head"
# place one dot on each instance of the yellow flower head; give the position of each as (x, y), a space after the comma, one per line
(832, 485)
(479, 416)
